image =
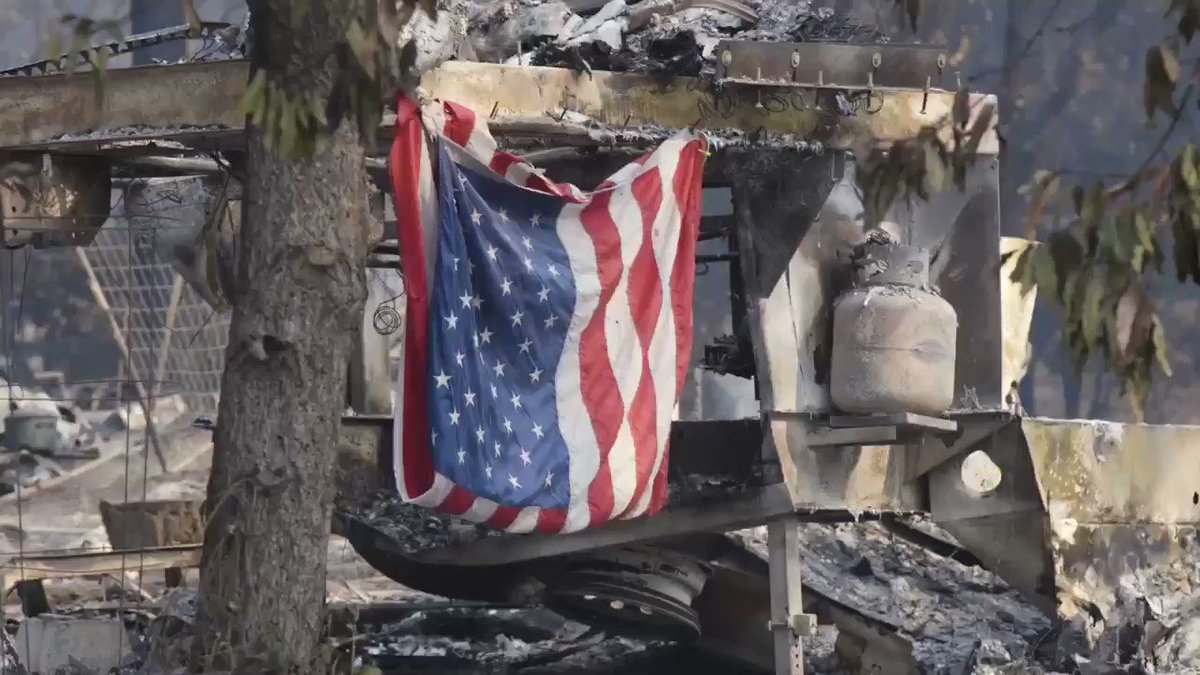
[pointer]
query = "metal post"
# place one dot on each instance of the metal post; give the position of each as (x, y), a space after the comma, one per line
(789, 624)
(123, 345)
(164, 349)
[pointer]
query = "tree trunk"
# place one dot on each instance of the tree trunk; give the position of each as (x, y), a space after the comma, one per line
(299, 296)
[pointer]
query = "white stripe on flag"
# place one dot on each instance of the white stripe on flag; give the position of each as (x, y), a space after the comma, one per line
(665, 236)
(575, 422)
(624, 346)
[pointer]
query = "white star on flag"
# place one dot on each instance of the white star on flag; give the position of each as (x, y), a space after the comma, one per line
(525, 457)
(443, 380)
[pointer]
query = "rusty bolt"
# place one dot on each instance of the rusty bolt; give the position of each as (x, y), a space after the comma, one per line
(876, 59)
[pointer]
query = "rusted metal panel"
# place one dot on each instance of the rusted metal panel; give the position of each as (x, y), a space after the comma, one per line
(1091, 471)
(161, 101)
(1082, 507)
(855, 478)
(842, 66)
(962, 229)
(138, 101)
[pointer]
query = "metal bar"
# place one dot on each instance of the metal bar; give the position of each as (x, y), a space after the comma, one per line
(119, 338)
(716, 257)
(102, 562)
(168, 328)
(157, 102)
(783, 549)
(827, 65)
(755, 508)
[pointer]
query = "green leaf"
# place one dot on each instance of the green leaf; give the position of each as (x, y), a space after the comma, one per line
(1187, 167)
(1044, 271)
(1077, 196)
(1091, 318)
(1158, 338)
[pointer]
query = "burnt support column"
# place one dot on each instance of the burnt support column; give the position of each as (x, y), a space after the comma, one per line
(789, 623)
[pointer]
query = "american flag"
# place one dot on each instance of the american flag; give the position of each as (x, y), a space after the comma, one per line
(548, 329)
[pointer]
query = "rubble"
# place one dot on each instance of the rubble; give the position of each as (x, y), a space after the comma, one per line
(654, 37)
(47, 644)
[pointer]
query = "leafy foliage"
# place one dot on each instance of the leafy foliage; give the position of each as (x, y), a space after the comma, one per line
(927, 163)
(297, 124)
(292, 124)
(1107, 243)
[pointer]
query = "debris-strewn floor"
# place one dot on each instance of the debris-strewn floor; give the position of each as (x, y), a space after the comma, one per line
(958, 617)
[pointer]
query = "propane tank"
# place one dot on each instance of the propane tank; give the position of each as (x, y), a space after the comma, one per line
(893, 338)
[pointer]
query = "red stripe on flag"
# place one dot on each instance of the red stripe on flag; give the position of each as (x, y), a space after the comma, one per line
(405, 164)
(688, 187)
(645, 302)
(597, 382)
(503, 517)
(458, 502)
(460, 123)
(551, 521)
(501, 161)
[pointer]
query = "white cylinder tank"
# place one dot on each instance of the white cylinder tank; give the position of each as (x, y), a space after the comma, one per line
(893, 338)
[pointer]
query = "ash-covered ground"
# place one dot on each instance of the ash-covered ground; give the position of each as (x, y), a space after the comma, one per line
(957, 616)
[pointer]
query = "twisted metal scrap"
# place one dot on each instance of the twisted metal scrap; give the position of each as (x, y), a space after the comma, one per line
(66, 61)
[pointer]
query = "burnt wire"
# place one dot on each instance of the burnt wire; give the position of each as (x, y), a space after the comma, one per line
(148, 406)
(9, 347)
(125, 373)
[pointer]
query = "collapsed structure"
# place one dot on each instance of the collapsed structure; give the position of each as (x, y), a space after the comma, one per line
(1092, 522)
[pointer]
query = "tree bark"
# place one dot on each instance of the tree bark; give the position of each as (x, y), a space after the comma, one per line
(298, 299)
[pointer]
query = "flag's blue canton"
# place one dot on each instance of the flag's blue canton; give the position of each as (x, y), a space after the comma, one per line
(502, 301)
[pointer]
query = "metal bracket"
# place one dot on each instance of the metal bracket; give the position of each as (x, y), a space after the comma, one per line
(877, 429)
(831, 66)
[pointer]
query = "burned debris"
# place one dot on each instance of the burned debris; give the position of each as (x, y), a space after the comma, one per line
(653, 37)
(1050, 546)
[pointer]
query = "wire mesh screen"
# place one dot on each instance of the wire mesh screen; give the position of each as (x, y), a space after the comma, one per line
(175, 339)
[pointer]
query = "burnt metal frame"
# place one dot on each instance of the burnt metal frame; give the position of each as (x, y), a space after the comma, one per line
(1139, 473)
(61, 114)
